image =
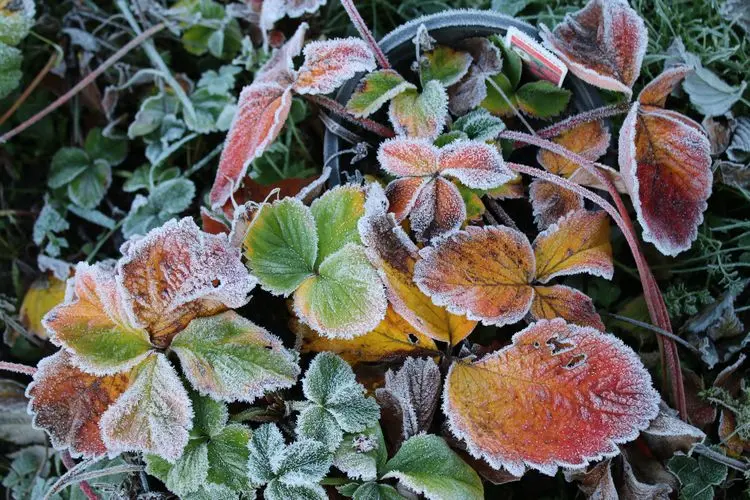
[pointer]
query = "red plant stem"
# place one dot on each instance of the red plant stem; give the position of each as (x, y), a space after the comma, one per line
(85, 486)
(34, 84)
(365, 33)
(654, 300)
(17, 368)
(338, 109)
(85, 82)
(585, 117)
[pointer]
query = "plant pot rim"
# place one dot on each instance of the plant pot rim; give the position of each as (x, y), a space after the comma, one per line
(472, 22)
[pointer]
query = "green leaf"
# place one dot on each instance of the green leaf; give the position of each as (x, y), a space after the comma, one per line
(228, 456)
(418, 114)
(448, 137)
(304, 462)
(510, 7)
(214, 34)
(168, 200)
(375, 491)
(151, 114)
(16, 20)
(113, 151)
(93, 216)
(711, 95)
(281, 245)
(47, 225)
(374, 90)
(10, 69)
(277, 490)
(15, 421)
(444, 64)
(542, 99)
(314, 422)
(265, 443)
(140, 178)
(221, 82)
(88, 189)
(336, 215)
(427, 465)
(67, 164)
(495, 103)
(213, 112)
(330, 384)
(479, 125)
(231, 358)
(346, 298)
(362, 455)
(512, 63)
(209, 416)
(697, 477)
(187, 474)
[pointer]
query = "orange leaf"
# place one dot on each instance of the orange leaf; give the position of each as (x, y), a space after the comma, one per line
(177, 273)
(394, 255)
(602, 44)
(261, 113)
(577, 243)
(665, 160)
(560, 301)
(392, 339)
(280, 67)
(68, 404)
(656, 92)
(559, 396)
(484, 273)
(330, 63)
(550, 202)
(43, 294)
(589, 139)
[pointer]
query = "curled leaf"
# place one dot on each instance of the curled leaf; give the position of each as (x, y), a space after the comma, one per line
(559, 396)
(602, 44)
(444, 64)
(328, 64)
(589, 139)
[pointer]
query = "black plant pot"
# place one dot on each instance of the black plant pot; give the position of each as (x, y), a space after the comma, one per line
(446, 27)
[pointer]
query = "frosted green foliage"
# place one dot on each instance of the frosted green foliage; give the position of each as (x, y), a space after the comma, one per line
(420, 114)
(28, 473)
(330, 385)
(47, 227)
(213, 101)
(479, 125)
(15, 421)
(10, 69)
(427, 465)
(165, 202)
(215, 459)
(16, 20)
(289, 472)
(362, 455)
(144, 176)
(697, 477)
(374, 90)
(152, 114)
(336, 214)
(219, 82)
(210, 29)
(371, 491)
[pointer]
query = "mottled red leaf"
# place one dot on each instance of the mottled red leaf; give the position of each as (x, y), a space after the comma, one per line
(550, 202)
(656, 92)
(602, 44)
(280, 67)
(561, 301)
(328, 64)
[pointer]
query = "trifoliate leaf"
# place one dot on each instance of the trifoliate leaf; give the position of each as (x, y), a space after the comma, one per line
(336, 215)
(47, 225)
(165, 202)
(281, 245)
(141, 178)
(376, 89)
(315, 422)
(697, 477)
(213, 112)
(230, 358)
(221, 82)
(216, 34)
(228, 457)
(10, 69)
(479, 125)
(362, 455)
(444, 64)
(98, 146)
(427, 465)
(711, 95)
(542, 99)
(331, 385)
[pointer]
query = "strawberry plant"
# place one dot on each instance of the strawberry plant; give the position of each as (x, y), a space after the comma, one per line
(465, 302)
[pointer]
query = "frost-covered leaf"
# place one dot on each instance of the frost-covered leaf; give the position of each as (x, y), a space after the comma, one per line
(216, 34)
(602, 44)
(95, 323)
(177, 273)
(42, 296)
(484, 273)
(276, 490)
(330, 63)
(230, 358)
(304, 462)
(426, 465)
(330, 384)
(212, 112)
(589, 139)
(736, 11)
(166, 201)
(711, 95)
(415, 388)
(10, 69)
(665, 161)
(15, 421)
(16, 20)
(444, 64)
(66, 165)
(209, 416)
(420, 114)
(657, 91)
(371, 491)
(479, 125)
(187, 474)
(559, 301)
(577, 243)
(68, 404)
(153, 415)
(596, 393)
(280, 66)
(393, 338)
(152, 114)
(542, 99)
(374, 90)
(265, 443)
(739, 149)
(281, 245)
(550, 202)
(362, 455)
(698, 477)
(261, 114)
(112, 150)
(336, 214)
(394, 255)
(345, 298)
(468, 93)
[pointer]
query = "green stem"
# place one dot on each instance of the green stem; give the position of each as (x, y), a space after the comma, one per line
(103, 239)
